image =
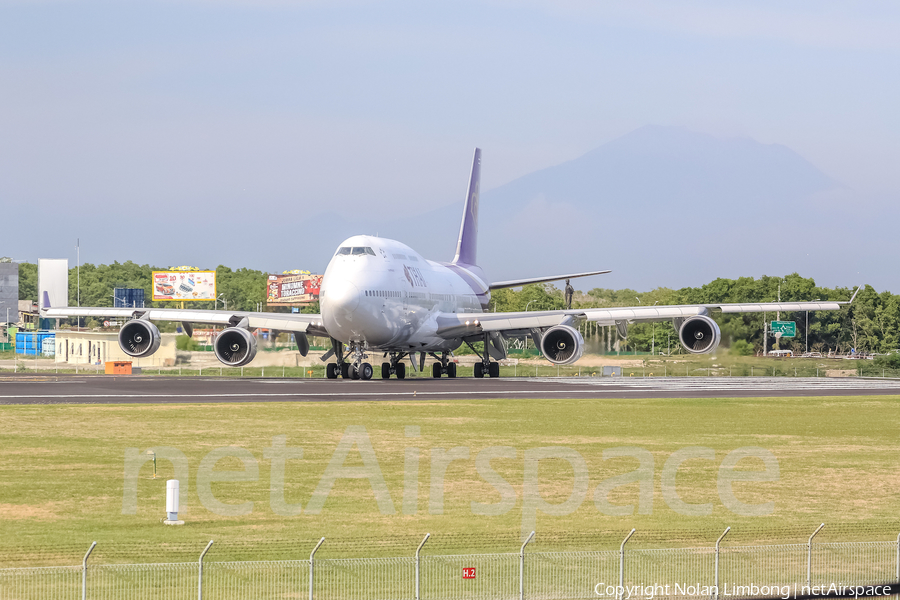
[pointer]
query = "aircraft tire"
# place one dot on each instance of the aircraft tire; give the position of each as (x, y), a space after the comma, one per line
(366, 371)
(345, 370)
(436, 370)
(354, 372)
(479, 370)
(451, 370)
(494, 370)
(401, 370)
(385, 370)
(331, 371)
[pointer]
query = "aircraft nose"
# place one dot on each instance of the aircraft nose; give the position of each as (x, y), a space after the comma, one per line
(343, 296)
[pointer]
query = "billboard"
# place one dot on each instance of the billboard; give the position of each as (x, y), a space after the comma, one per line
(289, 289)
(184, 286)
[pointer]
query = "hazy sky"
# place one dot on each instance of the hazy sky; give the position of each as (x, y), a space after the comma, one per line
(263, 115)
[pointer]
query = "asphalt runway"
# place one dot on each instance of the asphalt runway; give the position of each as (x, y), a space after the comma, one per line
(99, 389)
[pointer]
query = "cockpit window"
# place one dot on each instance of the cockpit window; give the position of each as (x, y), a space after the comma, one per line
(355, 251)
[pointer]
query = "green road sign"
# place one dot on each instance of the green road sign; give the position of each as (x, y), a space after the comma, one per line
(787, 329)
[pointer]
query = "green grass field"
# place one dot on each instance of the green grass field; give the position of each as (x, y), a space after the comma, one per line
(62, 474)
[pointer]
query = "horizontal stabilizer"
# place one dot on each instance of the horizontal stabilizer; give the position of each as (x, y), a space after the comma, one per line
(520, 282)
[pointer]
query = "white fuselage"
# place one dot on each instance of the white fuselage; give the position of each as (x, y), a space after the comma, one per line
(383, 294)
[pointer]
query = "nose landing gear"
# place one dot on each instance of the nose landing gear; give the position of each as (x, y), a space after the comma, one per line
(357, 369)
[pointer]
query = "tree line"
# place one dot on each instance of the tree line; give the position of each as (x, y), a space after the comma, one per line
(870, 324)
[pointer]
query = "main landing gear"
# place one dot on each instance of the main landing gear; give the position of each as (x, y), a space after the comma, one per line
(349, 369)
(492, 369)
(395, 366)
(485, 367)
(443, 366)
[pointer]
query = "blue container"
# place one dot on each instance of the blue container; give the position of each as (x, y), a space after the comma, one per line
(31, 342)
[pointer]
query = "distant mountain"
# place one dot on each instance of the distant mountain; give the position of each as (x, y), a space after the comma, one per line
(670, 168)
(660, 205)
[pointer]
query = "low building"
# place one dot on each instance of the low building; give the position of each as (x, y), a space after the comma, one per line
(97, 348)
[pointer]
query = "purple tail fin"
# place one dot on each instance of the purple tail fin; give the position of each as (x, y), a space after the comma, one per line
(468, 231)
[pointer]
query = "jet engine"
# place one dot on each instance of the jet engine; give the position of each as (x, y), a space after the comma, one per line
(235, 346)
(562, 345)
(139, 338)
(699, 334)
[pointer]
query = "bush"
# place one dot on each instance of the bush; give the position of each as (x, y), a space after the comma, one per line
(888, 361)
(741, 348)
(183, 342)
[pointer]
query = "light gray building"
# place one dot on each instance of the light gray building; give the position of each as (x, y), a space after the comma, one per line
(9, 292)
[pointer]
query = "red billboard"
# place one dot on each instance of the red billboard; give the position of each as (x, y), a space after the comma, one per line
(291, 289)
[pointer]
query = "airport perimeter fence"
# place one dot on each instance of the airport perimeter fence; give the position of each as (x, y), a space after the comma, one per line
(707, 573)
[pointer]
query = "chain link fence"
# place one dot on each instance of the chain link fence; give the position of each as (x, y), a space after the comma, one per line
(643, 574)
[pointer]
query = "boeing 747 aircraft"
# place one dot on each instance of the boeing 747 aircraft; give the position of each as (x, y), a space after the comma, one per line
(379, 296)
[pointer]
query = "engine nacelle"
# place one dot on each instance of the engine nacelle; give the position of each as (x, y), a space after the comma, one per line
(699, 335)
(562, 345)
(139, 338)
(235, 346)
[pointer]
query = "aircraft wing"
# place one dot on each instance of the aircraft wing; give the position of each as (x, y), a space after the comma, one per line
(520, 282)
(466, 325)
(293, 322)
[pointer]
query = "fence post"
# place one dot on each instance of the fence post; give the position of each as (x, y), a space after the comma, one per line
(84, 572)
(522, 567)
(200, 571)
(419, 549)
(809, 555)
(719, 541)
(311, 570)
(621, 589)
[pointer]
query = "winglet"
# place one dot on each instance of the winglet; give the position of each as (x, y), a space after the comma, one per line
(854, 294)
(468, 229)
(46, 304)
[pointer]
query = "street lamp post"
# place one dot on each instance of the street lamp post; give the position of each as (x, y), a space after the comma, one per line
(527, 305)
